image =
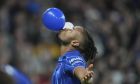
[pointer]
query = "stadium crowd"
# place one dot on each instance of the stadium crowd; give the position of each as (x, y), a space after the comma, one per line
(31, 48)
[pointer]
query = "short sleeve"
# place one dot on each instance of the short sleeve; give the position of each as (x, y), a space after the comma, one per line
(74, 61)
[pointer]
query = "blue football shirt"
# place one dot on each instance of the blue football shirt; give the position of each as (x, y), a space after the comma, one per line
(63, 74)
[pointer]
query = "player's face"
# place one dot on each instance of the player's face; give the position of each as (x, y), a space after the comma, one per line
(68, 34)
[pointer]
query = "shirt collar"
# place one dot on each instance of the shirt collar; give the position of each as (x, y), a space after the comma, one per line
(72, 52)
(69, 53)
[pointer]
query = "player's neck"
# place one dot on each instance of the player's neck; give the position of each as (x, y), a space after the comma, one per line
(65, 49)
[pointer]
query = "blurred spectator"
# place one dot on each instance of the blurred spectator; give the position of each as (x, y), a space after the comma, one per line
(32, 49)
(5, 78)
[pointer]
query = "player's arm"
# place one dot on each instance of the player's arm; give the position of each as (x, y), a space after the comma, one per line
(84, 74)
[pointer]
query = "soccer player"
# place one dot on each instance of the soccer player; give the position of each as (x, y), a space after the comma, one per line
(75, 65)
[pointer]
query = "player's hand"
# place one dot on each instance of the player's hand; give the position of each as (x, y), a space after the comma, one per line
(88, 74)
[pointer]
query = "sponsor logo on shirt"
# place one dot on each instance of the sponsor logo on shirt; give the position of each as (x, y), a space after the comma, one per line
(75, 60)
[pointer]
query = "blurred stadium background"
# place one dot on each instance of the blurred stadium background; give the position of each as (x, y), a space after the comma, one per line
(114, 24)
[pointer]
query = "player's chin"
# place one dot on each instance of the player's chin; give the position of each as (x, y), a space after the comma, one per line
(59, 32)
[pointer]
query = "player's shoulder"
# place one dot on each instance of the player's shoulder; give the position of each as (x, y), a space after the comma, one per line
(74, 58)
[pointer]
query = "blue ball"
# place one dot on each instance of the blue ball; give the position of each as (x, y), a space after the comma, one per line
(53, 19)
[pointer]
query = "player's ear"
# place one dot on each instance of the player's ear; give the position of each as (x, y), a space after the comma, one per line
(75, 43)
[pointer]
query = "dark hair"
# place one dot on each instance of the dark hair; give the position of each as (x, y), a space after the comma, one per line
(88, 47)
